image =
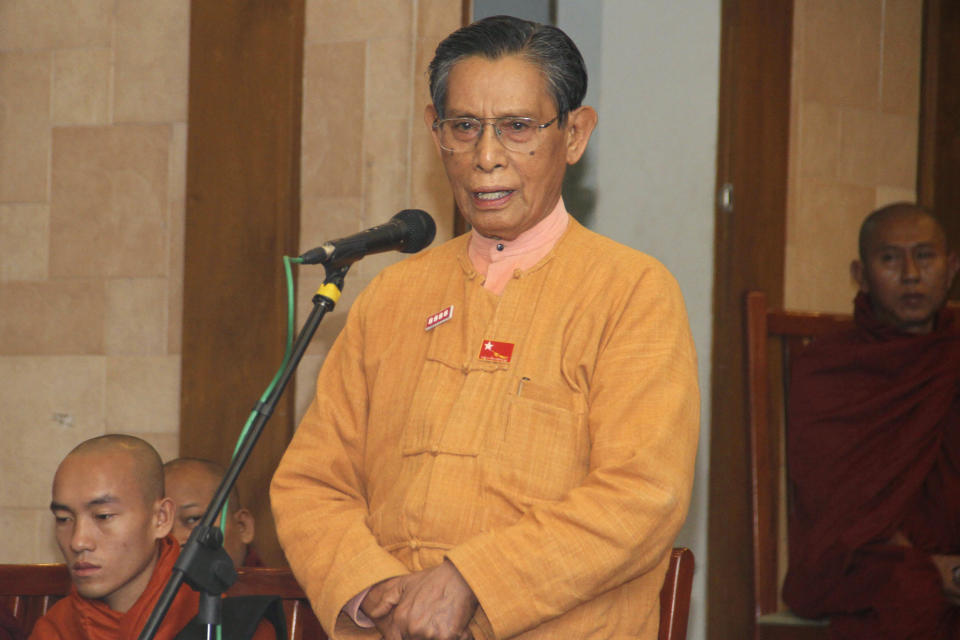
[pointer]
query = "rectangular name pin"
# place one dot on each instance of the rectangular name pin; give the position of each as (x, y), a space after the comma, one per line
(496, 351)
(439, 318)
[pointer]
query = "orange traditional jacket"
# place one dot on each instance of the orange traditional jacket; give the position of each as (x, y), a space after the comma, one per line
(542, 440)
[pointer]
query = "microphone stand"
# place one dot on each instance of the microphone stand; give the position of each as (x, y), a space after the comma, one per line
(203, 562)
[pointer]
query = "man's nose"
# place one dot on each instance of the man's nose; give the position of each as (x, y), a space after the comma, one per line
(82, 538)
(910, 270)
(489, 151)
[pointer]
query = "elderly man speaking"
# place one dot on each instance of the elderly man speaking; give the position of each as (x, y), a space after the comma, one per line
(503, 435)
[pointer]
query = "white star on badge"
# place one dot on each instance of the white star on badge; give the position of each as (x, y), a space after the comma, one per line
(488, 346)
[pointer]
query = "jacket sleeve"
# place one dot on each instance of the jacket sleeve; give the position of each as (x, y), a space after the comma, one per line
(620, 522)
(317, 495)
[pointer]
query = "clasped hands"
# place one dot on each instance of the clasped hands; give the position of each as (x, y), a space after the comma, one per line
(947, 565)
(433, 604)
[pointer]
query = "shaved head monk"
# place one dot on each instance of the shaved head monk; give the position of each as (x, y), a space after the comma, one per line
(873, 446)
(113, 525)
(191, 483)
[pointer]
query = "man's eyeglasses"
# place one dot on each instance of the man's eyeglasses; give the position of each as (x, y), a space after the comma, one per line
(514, 133)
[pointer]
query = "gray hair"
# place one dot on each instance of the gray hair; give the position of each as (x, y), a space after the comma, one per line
(546, 46)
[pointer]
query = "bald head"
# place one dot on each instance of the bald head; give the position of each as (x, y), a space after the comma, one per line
(905, 266)
(191, 483)
(899, 211)
(208, 472)
(145, 459)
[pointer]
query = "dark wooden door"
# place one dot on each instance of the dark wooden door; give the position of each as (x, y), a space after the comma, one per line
(754, 123)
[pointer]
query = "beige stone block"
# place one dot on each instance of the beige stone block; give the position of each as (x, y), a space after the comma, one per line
(24, 238)
(819, 139)
(176, 217)
(902, 53)
(389, 89)
(821, 242)
(326, 219)
(81, 86)
(62, 317)
(48, 405)
(430, 189)
(151, 63)
(55, 24)
(342, 20)
(877, 149)
(842, 51)
(386, 153)
(136, 319)
(439, 18)
(421, 78)
(143, 394)
(108, 212)
(332, 138)
(890, 195)
(28, 535)
(47, 549)
(24, 125)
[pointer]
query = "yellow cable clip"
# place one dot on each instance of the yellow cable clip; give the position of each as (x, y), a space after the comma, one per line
(331, 291)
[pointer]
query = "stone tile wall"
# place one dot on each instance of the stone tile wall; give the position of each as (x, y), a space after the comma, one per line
(366, 153)
(854, 136)
(93, 104)
(93, 107)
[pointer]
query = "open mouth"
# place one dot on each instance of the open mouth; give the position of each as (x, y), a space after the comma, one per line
(491, 195)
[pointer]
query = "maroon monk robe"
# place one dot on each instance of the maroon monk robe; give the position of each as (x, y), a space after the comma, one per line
(9, 627)
(873, 448)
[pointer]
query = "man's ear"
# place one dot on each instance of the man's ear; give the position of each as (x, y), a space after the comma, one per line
(859, 276)
(163, 517)
(245, 525)
(953, 265)
(580, 124)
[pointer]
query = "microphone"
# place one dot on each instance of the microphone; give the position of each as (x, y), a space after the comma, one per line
(408, 232)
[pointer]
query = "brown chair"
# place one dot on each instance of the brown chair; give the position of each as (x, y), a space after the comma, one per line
(675, 595)
(773, 336)
(29, 590)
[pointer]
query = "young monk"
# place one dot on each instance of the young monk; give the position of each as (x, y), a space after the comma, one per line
(874, 446)
(113, 527)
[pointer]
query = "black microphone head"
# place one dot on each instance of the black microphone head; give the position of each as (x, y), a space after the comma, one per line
(420, 229)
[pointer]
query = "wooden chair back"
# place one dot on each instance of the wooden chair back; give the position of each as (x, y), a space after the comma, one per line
(675, 595)
(29, 590)
(773, 337)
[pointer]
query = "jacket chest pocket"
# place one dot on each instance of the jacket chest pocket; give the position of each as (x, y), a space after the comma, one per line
(544, 450)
